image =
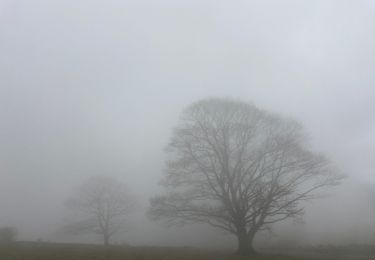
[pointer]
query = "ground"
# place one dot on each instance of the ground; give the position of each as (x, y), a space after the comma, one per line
(52, 251)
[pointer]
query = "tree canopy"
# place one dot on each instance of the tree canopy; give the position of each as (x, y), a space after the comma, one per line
(238, 168)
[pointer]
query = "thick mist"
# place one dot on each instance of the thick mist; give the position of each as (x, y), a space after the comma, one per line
(96, 87)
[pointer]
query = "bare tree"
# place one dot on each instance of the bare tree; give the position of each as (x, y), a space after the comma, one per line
(103, 204)
(8, 235)
(238, 168)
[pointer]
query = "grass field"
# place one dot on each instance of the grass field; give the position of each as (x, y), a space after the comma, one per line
(46, 251)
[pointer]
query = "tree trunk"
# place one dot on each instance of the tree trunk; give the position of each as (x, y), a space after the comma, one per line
(245, 244)
(106, 247)
(106, 239)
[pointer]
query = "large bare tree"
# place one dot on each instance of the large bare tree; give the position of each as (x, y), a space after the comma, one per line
(103, 203)
(238, 168)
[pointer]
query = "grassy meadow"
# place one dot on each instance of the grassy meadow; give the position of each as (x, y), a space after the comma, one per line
(52, 251)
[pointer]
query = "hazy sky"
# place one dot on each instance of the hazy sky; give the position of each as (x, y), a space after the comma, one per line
(94, 87)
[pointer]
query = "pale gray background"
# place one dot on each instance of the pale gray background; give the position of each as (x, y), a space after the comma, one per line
(95, 87)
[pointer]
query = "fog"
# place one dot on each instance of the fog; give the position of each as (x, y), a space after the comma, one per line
(96, 87)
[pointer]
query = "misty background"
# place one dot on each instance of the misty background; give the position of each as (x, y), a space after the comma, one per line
(95, 87)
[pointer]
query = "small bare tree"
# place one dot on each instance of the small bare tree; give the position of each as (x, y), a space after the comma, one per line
(8, 235)
(103, 204)
(238, 168)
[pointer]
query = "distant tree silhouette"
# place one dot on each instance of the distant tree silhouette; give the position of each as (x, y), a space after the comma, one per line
(8, 235)
(103, 203)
